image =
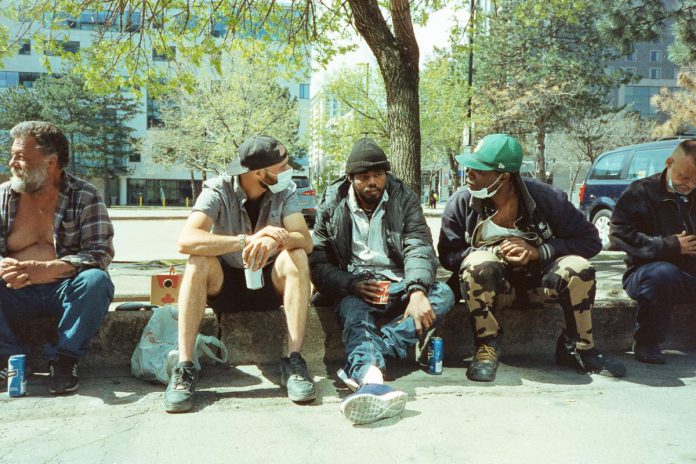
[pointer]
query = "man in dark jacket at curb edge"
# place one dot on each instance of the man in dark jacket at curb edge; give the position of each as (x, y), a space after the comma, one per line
(654, 222)
(508, 237)
(370, 227)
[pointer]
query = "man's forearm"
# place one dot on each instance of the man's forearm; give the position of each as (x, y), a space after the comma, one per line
(59, 269)
(207, 244)
(298, 240)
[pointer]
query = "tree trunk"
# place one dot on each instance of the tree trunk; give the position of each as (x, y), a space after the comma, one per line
(72, 153)
(194, 193)
(107, 197)
(397, 56)
(541, 152)
(578, 166)
(454, 169)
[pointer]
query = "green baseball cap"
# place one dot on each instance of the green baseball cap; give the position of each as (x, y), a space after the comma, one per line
(495, 152)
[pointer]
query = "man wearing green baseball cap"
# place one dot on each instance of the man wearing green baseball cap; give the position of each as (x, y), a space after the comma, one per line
(508, 238)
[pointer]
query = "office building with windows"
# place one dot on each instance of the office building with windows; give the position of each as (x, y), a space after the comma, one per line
(650, 61)
(146, 179)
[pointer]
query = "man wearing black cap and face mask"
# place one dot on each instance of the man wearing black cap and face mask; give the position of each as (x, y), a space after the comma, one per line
(250, 218)
(371, 237)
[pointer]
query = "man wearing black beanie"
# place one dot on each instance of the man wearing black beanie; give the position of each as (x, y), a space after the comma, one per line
(374, 258)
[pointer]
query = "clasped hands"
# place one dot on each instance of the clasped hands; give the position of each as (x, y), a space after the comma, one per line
(263, 244)
(516, 251)
(20, 274)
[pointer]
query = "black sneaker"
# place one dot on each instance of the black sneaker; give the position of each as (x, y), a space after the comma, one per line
(484, 364)
(3, 379)
(3, 373)
(63, 373)
(590, 361)
(651, 354)
(294, 377)
(179, 394)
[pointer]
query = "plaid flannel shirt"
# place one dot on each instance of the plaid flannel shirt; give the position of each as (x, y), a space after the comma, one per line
(82, 231)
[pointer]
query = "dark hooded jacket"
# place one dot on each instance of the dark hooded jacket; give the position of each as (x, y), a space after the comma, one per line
(647, 220)
(408, 239)
(561, 229)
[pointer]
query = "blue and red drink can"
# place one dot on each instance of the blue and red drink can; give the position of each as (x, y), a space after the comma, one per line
(436, 349)
(16, 378)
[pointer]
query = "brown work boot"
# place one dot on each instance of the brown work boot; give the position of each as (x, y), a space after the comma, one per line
(485, 361)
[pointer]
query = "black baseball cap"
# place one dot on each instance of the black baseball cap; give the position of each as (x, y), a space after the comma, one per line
(257, 152)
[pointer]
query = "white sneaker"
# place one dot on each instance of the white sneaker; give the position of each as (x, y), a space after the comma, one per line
(372, 403)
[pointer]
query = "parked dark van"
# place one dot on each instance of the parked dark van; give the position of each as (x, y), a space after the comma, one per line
(613, 171)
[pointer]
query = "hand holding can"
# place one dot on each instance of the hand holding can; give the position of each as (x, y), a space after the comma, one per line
(383, 292)
(254, 279)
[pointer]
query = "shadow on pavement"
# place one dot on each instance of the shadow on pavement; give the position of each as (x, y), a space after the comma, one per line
(680, 365)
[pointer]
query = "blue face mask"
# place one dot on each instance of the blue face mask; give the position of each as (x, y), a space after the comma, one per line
(284, 179)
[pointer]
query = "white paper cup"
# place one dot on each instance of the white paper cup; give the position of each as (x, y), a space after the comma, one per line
(254, 279)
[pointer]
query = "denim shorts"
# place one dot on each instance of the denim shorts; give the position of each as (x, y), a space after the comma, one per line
(236, 297)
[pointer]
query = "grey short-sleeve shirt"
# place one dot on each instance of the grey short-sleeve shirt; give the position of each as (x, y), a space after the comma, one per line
(222, 199)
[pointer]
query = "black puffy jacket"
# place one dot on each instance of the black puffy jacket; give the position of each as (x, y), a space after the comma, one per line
(408, 238)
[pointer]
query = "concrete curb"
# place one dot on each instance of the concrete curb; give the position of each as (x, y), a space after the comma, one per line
(260, 337)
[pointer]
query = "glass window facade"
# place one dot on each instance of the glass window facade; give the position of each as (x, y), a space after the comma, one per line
(69, 46)
(304, 91)
(637, 98)
(25, 47)
(153, 191)
(9, 79)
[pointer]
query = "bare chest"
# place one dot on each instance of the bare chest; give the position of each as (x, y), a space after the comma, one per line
(33, 225)
(506, 218)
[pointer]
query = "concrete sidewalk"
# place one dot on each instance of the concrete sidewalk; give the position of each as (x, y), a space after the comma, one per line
(534, 412)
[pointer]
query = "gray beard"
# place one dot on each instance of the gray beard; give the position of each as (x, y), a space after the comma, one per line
(32, 182)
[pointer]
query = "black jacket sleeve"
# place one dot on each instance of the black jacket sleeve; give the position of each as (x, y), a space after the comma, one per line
(572, 233)
(420, 263)
(326, 276)
(453, 245)
(628, 229)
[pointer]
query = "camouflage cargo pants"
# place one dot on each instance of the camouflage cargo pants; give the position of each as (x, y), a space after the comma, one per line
(488, 282)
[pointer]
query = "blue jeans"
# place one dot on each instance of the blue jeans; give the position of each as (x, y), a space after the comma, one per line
(657, 287)
(80, 302)
(366, 345)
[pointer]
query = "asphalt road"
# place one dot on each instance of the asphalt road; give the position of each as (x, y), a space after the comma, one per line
(153, 239)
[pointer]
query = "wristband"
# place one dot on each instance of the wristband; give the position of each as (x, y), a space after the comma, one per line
(242, 242)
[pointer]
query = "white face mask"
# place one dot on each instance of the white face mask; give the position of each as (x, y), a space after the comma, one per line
(484, 193)
(671, 184)
(284, 179)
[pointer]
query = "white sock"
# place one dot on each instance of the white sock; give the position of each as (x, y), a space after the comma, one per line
(373, 376)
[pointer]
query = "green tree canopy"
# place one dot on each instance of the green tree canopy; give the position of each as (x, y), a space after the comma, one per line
(131, 33)
(202, 128)
(538, 64)
(96, 124)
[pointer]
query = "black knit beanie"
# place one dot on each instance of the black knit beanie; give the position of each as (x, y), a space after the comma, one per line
(366, 156)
